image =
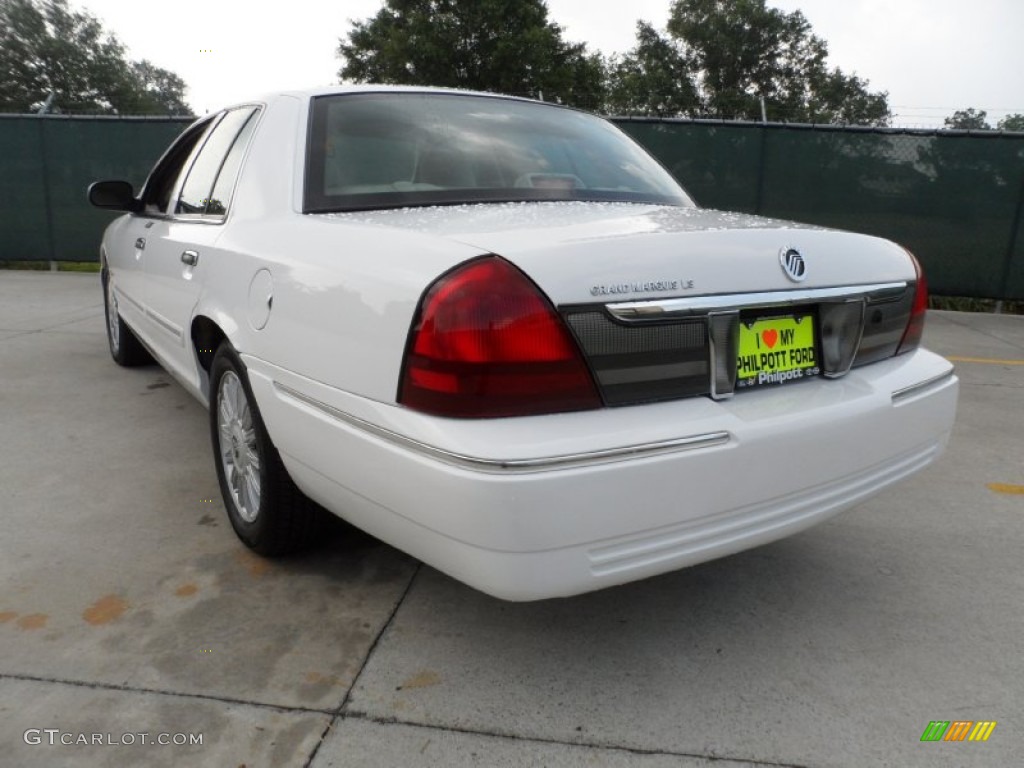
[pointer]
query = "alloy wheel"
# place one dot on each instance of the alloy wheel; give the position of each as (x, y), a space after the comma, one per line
(239, 453)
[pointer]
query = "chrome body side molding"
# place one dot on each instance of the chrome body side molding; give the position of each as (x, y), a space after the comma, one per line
(539, 464)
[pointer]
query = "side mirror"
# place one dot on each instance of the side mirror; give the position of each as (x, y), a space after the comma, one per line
(116, 195)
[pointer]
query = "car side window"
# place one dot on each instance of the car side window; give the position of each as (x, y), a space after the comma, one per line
(203, 193)
(156, 196)
(220, 198)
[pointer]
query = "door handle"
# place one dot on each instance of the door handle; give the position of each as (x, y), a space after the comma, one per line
(140, 243)
(190, 257)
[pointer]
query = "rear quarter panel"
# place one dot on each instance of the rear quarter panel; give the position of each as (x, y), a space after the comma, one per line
(343, 295)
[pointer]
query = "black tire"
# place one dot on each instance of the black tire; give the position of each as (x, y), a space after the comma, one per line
(268, 512)
(125, 348)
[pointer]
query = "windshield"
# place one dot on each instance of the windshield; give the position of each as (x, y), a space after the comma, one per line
(386, 150)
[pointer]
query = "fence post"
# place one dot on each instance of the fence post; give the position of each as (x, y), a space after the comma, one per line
(1011, 246)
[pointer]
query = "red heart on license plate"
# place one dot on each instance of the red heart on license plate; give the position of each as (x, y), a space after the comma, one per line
(769, 337)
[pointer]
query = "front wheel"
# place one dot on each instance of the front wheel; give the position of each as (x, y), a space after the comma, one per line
(268, 512)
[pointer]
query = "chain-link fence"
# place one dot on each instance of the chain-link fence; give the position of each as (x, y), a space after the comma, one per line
(953, 198)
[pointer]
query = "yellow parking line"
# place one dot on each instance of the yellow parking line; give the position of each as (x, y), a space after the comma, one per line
(1006, 488)
(984, 360)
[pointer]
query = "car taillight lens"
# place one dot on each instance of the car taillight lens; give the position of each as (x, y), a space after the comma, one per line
(486, 343)
(915, 326)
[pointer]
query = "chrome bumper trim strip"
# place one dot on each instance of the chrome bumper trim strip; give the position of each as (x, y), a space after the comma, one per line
(915, 389)
(643, 450)
(660, 309)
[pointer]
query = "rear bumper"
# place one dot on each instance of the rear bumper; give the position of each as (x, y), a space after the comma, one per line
(557, 505)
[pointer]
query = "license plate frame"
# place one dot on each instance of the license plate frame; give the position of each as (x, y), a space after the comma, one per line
(777, 349)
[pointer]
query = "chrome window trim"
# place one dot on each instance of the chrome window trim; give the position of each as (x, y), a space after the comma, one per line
(181, 218)
(196, 218)
(661, 309)
(511, 466)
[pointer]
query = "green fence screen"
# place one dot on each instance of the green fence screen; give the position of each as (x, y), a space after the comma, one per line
(48, 162)
(953, 198)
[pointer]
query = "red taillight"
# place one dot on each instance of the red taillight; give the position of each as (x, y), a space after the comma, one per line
(915, 326)
(486, 342)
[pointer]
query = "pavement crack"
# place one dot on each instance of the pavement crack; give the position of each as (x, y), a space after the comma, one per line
(72, 321)
(14, 334)
(337, 713)
(162, 692)
(497, 734)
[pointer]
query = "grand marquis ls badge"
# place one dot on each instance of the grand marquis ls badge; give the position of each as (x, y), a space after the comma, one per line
(793, 264)
(650, 286)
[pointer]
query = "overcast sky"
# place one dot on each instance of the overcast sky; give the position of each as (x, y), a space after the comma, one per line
(932, 56)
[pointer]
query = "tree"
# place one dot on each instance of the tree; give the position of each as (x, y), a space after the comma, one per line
(48, 48)
(508, 46)
(844, 99)
(724, 56)
(586, 88)
(1012, 123)
(156, 91)
(971, 119)
(653, 78)
(968, 119)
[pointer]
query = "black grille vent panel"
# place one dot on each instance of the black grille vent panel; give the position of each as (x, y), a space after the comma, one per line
(652, 359)
(884, 324)
(645, 362)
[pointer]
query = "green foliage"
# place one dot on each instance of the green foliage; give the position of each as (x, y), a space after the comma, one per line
(968, 119)
(741, 50)
(843, 100)
(969, 304)
(507, 46)
(721, 57)
(971, 119)
(652, 79)
(718, 58)
(1012, 123)
(61, 266)
(48, 48)
(154, 91)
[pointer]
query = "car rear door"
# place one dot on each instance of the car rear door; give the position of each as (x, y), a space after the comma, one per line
(180, 245)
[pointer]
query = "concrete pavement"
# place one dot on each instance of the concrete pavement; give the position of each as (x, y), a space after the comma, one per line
(128, 607)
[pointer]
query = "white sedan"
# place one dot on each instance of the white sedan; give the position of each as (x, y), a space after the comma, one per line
(499, 336)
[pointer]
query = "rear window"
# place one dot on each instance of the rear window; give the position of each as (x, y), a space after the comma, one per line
(385, 150)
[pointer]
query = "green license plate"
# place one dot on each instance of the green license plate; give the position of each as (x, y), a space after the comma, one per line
(776, 350)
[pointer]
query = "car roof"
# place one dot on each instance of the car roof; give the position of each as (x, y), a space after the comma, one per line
(330, 90)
